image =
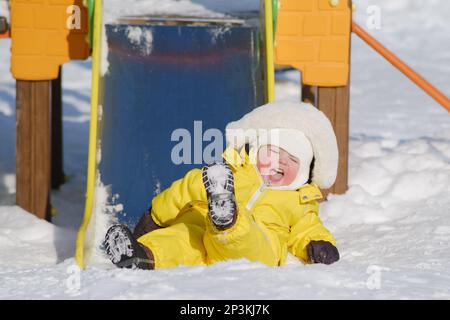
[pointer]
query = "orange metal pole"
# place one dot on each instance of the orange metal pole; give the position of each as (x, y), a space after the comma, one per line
(403, 67)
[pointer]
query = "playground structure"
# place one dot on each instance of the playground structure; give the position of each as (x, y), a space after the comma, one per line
(41, 41)
(312, 36)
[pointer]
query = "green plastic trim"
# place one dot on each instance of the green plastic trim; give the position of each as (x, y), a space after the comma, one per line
(275, 16)
(91, 8)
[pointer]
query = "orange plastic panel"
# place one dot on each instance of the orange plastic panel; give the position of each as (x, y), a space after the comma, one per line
(314, 37)
(41, 37)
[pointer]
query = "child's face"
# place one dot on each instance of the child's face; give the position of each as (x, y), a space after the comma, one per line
(276, 166)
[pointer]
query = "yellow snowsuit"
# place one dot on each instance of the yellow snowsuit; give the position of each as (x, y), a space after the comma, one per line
(270, 222)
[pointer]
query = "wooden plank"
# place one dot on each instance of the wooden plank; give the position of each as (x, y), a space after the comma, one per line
(41, 150)
(309, 94)
(23, 144)
(326, 102)
(33, 147)
(4, 28)
(57, 168)
(342, 128)
(334, 102)
(342, 133)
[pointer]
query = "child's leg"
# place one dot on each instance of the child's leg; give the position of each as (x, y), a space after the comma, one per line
(145, 225)
(245, 239)
(178, 244)
(231, 232)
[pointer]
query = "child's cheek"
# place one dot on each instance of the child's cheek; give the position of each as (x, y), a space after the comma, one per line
(289, 176)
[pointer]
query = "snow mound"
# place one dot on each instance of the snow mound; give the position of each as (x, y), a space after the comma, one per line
(388, 180)
(27, 241)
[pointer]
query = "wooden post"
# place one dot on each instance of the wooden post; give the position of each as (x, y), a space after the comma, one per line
(334, 102)
(33, 147)
(57, 133)
(309, 94)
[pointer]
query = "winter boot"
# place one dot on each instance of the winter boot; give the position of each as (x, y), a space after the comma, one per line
(124, 251)
(219, 184)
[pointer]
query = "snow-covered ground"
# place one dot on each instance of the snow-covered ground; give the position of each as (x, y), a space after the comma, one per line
(392, 226)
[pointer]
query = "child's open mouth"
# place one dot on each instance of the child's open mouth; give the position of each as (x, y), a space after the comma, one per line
(276, 174)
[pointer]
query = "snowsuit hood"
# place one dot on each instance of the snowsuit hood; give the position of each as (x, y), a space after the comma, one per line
(300, 116)
(292, 141)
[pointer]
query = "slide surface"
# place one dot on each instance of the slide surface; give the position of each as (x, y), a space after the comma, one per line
(160, 110)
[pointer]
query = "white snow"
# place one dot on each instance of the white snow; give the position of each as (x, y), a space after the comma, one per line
(27, 242)
(102, 218)
(104, 64)
(116, 8)
(142, 39)
(392, 225)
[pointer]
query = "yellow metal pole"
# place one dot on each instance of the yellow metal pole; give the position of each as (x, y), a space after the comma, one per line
(92, 159)
(269, 36)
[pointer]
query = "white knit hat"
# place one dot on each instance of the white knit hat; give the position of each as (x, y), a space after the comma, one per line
(294, 142)
(300, 116)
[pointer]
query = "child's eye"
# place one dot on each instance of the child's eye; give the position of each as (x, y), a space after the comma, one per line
(294, 160)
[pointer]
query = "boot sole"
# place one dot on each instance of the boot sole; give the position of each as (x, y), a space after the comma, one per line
(122, 249)
(219, 184)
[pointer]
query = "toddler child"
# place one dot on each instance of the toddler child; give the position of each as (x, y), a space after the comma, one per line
(260, 203)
